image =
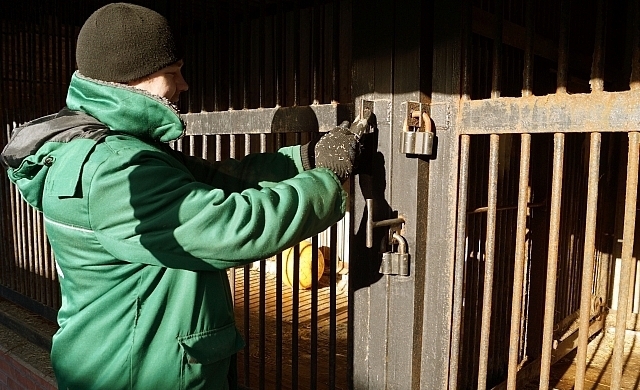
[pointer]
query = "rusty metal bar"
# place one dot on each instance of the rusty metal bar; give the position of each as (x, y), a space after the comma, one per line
(597, 66)
(461, 247)
(333, 312)
(465, 74)
(589, 259)
(313, 118)
(577, 113)
(335, 47)
(279, 56)
(496, 77)
(627, 258)
(313, 377)
(231, 55)
(634, 83)
(487, 295)
(552, 260)
(279, 295)
(563, 47)
(316, 28)
(295, 317)
(527, 71)
(245, 45)
(296, 54)
(261, 55)
(520, 261)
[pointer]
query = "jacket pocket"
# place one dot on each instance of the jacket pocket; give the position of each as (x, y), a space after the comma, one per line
(206, 357)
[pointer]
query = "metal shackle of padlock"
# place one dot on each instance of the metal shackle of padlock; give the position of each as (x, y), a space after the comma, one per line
(396, 263)
(417, 135)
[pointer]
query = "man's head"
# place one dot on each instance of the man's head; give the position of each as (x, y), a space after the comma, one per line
(131, 44)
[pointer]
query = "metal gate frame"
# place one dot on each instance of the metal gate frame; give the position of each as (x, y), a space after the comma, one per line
(407, 330)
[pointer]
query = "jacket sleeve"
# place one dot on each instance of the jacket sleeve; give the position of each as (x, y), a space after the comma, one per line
(253, 171)
(146, 208)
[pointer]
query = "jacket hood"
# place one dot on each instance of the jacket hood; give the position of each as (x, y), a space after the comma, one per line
(126, 109)
(34, 147)
(57, 128)
(94, 108)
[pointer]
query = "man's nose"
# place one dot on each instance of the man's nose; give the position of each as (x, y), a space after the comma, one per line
(182, 84)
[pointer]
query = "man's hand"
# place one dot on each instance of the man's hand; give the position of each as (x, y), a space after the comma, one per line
(338, 150)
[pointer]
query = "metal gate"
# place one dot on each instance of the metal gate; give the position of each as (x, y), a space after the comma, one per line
(262, 75)
(518, 219)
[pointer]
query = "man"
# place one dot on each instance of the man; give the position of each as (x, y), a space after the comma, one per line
(142, 235)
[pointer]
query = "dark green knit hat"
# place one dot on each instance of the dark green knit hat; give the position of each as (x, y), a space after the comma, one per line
(122, 42)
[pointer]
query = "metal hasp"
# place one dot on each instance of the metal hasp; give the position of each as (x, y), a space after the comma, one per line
(417, 135)
(393, 263)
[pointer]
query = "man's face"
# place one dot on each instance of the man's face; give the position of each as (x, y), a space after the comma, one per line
(167, 82)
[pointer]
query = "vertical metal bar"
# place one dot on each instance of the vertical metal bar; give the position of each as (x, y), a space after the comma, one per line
(246, 56)
(279, 280)
(487, 295)
(634, 82)
(14, 221)
(296, 54)
(597, 66)
(314, 313)
(217, 42)
(552, 262)
(527, 71)
(496, 79)
(295, 316)
(467, 51)
(335, 47)
(232, 53)
(333, 321)
(627, 259)
(278, 50)
(589, 258)
(458, 284)
(279, 360)
(204, 153)
(520, 263)
(563, 47)
(261, 55)
(316, 34)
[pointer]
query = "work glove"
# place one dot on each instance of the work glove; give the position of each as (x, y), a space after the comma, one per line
(337, 150)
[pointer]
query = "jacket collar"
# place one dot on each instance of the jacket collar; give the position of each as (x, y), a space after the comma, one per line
(126, 109)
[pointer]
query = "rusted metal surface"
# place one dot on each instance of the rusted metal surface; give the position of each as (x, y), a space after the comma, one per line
(563, 47)
(627, 258)
(458, 284)
(634, 7)
(597, 66)
(515, 336)
(313, 118)
(552, 260)
(602, 112)
(586, 301)
(489, 261)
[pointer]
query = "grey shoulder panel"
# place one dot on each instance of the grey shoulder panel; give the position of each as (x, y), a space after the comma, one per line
(64, 126)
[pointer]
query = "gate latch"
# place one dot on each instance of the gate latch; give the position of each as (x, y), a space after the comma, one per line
(393, 263)
(417, 135)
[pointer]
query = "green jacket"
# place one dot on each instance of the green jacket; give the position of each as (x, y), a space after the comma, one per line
(142, 236)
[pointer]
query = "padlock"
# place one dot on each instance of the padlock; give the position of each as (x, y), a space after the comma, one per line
(396, 263)
(417, 136)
